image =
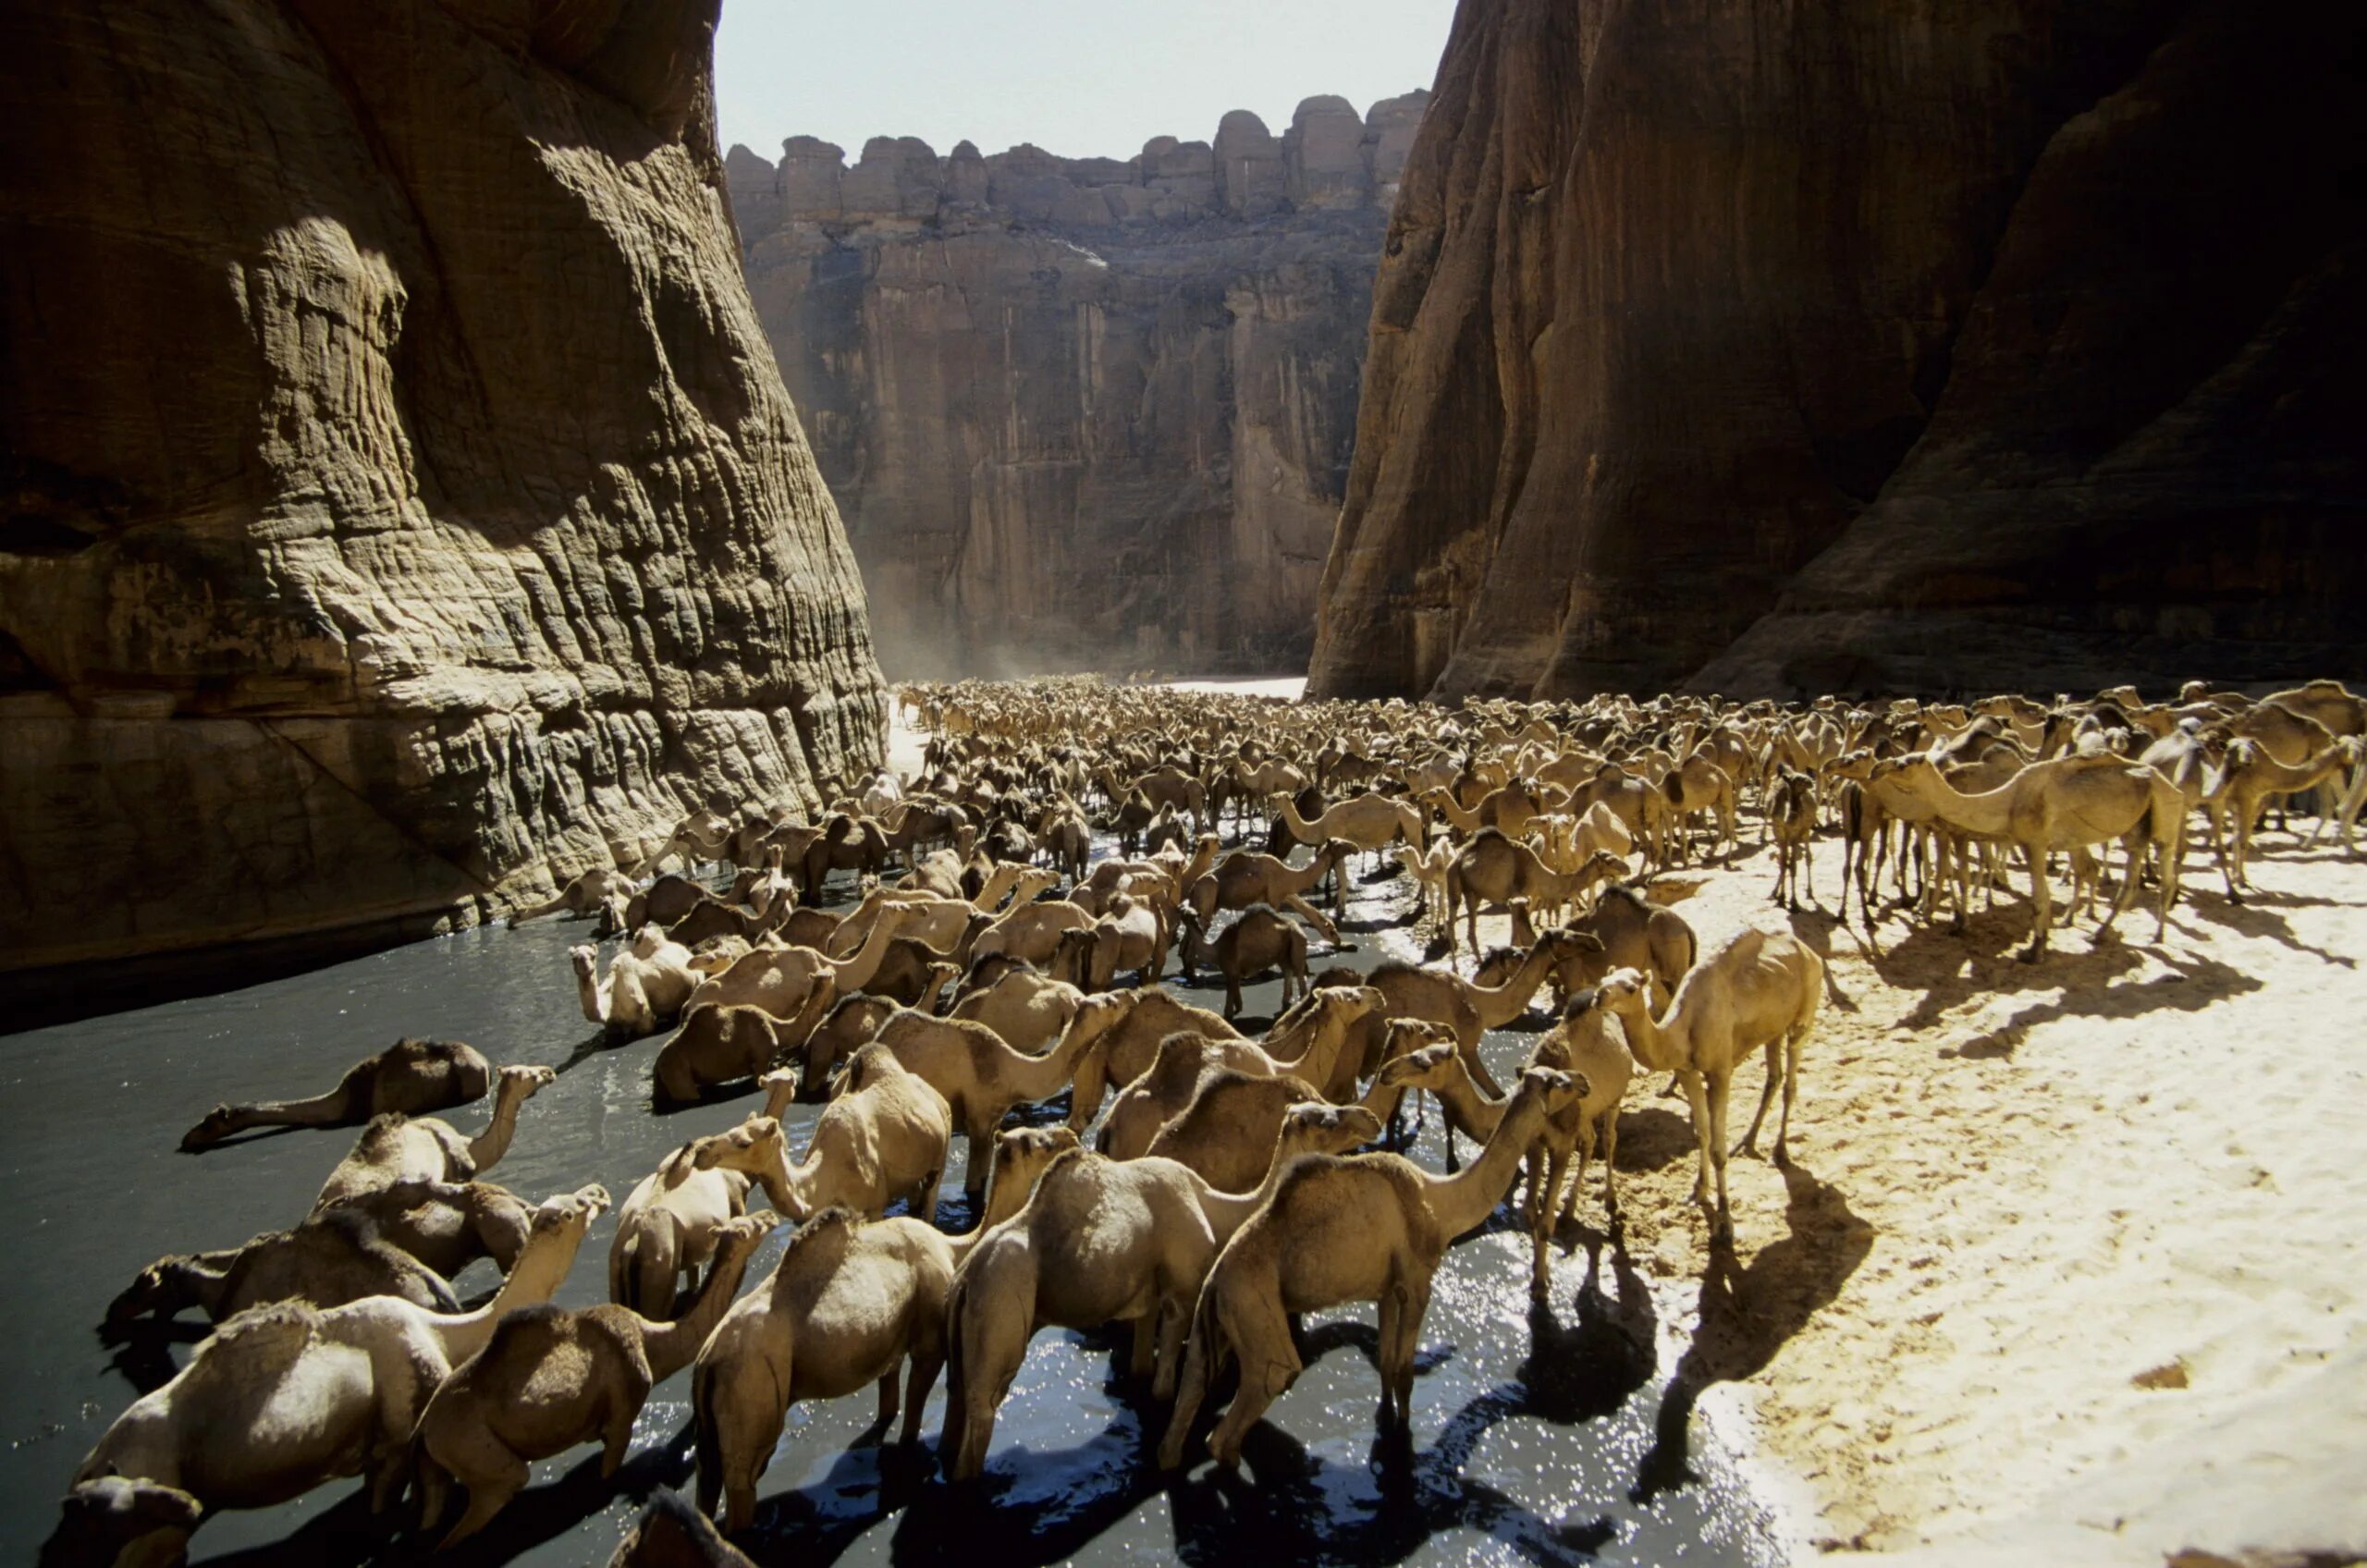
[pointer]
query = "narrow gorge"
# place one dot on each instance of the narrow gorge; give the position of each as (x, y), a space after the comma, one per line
(402, 502)
(1865, 346)
(1082, 412)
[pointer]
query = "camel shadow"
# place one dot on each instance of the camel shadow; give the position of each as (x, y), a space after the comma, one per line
(712, 1094)
(1297, 1507)
(2249, 919)
(1949, 969)
(597, 1044)
(263, 1134)
(1034, 1507)
(142, 1349)
(1748, 1311)
(818, 1523)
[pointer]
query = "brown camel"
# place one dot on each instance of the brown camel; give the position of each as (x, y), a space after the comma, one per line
(551, 1377)
(1757, 989)
(1246, 877)
(1493, 869)
(714, 1044)
(1102, 1241)
(1470, 1009)
(1262, 938)
(1340, 1228)
(404, 1148)
(410, 1078)
(882, 1138)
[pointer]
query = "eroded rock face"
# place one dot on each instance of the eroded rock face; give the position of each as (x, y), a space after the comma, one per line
(1772, 348)
(1082, 412)
(404, 506)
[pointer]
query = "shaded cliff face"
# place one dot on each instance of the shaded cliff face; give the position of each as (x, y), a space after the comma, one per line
(1769, 348)
(1082, 412)
(402, 499)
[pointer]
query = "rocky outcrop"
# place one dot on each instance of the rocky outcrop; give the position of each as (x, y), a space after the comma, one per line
(1772, 348)
(1081, 412)
(403, 505)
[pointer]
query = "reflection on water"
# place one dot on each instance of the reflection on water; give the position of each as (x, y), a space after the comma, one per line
(1532, 1425)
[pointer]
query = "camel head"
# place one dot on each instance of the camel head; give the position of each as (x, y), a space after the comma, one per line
(160, 1288)
(611, 918)
(1561, 943)
(1317, 1128)
(124, 1521)
(571, 1211)
(1352, 1003)
(1097, 1015)
(747, 1147)
(1021, 1155)
(520, 1083)
(208, 1133)
(586, 960)
(1622, 991)
(1429, 1068)
(1553, 1086)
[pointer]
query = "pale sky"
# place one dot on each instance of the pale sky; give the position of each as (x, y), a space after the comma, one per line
(1079, 78)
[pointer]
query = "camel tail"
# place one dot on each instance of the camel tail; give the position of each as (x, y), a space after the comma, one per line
(957, 1410)
(706, 1437)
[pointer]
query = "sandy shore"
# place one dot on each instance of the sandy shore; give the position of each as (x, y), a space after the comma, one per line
(2065, 1268)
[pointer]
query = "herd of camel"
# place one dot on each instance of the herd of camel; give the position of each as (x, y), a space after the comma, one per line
(1206, 1187)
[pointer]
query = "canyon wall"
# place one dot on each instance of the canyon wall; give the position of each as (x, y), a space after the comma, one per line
(1082, 412)
(1868, 346)
(403, 504)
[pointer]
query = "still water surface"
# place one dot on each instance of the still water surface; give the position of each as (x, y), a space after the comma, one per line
(1531, 1425)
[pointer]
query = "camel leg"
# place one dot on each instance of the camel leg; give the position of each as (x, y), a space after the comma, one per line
(1479, 1070)
(1269, 1365)
(1793, 1040)
(1398, 1350)
(977, 1157)
(1174, 1318)
(991, 1359)
(2133, 845)
(1721, 1086)
(1774, 1076)
(2042, 904)
(887, 1395)
(1807, 866)
(1609, 1143)
(615, 1435)
(1543, 1215)
(1144, 1346)
(1697, 1097)
(495, 1476)
(928, 1360)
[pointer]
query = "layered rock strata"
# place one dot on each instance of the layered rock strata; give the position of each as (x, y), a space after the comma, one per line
(404, 507)
(1865, 346)
(1082, 412)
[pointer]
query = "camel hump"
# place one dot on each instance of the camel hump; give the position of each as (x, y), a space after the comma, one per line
(278, 1331)
(836, 1224)
(542, 1321)
(1625, 893)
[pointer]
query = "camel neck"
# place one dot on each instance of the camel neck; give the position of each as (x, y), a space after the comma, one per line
(1473, 1113)
(487, 1148)
(1654, 1043)
(533, 1279)
(1462, 1202)
(670, 1346)
(1497, 1005)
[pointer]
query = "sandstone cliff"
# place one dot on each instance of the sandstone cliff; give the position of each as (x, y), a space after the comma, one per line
(1082, 412)
(402, 497)
(1864, 344)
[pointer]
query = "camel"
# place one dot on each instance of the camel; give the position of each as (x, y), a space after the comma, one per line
(1634, 933)
(1318, 1033)
(1032, 931)
(912, 973)
(1428, 868)
(406, 1148)
(550, 1378)
(1791, 822)
(648, 985)
(1371, 823)
(582, 897)
(1580, 1045)
(1470, 1009)
(714, 1044)
(286, 1397)
(700, 838)
(1102, 1240)
(1755, 988)
(1339, 1228)
(846, 842)
(787, 981)
(2253, 775)
(1493, 869)
(668, 1227)
(982, 1078)
(337, 1255)
(844, 1307)
(883, 1138)
(1261, 939)
(1226, 1135)
(671, 1534)
(1063, 833)
(1245, 877)
(1025, 1006)
(409, 1077)
(1125, 1052)
(1127, 934)
(2064, 805)
(668, 898)
(853, 1024)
